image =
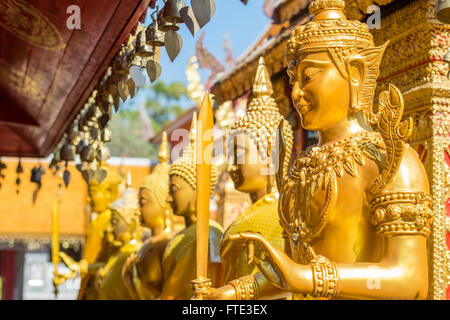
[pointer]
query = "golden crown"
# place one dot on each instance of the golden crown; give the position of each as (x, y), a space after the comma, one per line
(185, 166)
(329, 29)
(158, 181)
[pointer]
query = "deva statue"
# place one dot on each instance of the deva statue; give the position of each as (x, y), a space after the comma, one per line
(253, 141)
(179, 259)
(355, 208)
(142, 273)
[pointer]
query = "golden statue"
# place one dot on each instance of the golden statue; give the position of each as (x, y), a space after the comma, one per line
(355, 208)
(254, 177)
(100, 243)
(179, 259)
(142, 273)
(125, 221)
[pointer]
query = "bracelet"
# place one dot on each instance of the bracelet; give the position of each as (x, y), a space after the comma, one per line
(245, 287)
(325, 277)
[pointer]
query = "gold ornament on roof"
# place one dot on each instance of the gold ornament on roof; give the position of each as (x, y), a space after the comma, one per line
(185, 166)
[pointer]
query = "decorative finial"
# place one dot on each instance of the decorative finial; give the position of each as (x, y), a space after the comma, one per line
(193, 130)
(262, 85)
(327, 9)
(164, 152)
(129, 183)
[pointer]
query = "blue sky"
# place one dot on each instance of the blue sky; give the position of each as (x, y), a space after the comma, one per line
(243, 23)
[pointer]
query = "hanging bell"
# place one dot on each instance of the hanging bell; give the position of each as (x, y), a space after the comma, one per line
(103, 154)
(106, 135)
(171, 11)
(94, 132)
(142, 48)
(154, 36)
(164, 25)
(68, 152)
(443, 10)
(81, 144)
(87, 153)
(120, 64)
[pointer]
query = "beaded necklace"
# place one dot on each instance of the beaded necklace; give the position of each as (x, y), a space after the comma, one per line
(319, 168)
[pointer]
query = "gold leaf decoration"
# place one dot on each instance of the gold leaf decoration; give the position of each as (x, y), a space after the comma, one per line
(29, 24)
(350, 167)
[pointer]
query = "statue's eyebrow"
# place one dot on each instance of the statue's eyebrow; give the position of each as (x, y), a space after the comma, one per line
(313, 63)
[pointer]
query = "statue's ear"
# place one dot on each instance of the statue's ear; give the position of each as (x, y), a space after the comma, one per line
(356, 71)
(362, 69)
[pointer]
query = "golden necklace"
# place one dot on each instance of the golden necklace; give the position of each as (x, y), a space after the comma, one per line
(319, 167)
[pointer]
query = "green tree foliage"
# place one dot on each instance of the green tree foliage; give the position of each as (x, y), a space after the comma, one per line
(163, 103)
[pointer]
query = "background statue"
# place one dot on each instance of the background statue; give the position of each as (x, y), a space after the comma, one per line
(254, 143)
(355, 207)
(179, 260)
(142, 273)
(100, 243)
(125, 223)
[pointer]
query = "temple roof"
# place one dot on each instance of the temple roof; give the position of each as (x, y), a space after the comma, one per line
(48, 70)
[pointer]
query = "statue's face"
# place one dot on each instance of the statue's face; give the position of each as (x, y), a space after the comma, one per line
(120, 228)
(151, 211)
(248, 168)
(321, 95)
(100, 198)
(181, 197)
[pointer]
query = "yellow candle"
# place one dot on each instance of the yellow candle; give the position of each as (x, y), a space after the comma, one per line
(55, 236)
(204, 139)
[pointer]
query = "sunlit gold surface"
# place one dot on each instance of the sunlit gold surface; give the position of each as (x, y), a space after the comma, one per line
(342, 243)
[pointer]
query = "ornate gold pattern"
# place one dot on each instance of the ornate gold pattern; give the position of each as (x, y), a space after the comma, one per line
(245, 287)
(336, 33)
(19, 81)
(319, 168)
(27, 23)
(402, 212)
(325, 277)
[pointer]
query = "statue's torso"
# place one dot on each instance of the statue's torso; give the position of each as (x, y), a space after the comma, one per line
(179, 261)
(112, 286)
(145, 275)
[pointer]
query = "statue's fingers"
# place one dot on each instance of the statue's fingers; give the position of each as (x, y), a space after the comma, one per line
(250, 252)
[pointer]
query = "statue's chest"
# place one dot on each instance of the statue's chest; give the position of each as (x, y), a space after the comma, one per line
(322, 181)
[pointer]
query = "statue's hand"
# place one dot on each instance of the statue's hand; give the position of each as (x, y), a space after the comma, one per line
(273, 263)
(74, 266)
(223, 293)
(69, 262)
